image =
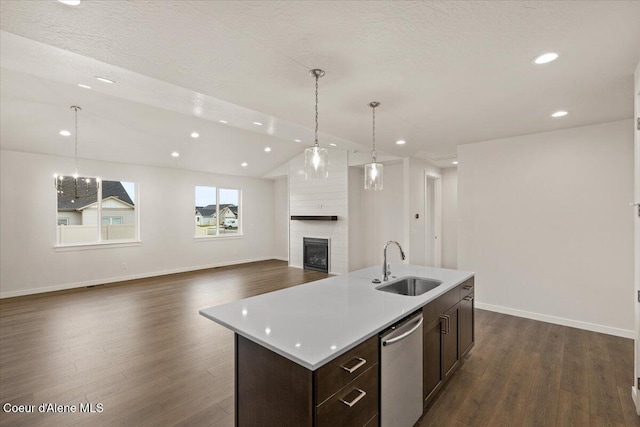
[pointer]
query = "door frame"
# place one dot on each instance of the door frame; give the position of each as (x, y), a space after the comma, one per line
(433, 246)
(635, 392)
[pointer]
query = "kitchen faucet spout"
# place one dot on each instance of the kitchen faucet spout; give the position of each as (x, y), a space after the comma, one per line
(385, 267)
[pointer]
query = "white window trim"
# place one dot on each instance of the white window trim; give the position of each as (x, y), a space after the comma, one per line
(219, 236)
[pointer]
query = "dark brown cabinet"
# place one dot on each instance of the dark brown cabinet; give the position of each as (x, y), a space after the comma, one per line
(448, 335)
(432, 354)
(466, 325)
(450, 350)
(273, 390)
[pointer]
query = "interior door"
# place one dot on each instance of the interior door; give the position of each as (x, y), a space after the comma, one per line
(433, 220)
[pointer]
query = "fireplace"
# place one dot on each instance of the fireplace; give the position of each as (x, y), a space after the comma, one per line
(316, 254)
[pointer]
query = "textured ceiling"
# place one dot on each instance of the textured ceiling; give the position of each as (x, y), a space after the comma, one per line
(446, 73)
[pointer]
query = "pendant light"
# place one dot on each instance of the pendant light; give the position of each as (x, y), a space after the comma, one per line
(373, 171)
(316, 159)
(75, 187)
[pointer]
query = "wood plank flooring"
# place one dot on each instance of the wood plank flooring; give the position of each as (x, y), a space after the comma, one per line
(523, 372)
(142, 350)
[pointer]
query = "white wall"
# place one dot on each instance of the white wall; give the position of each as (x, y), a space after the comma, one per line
(30, 263)
(376, 217)
(320, 197)
(417, 191)
(281, 218)
(544, 222)
(450, 218)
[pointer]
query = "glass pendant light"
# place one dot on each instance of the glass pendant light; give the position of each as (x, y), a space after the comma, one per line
(316, 159)
(373, 171)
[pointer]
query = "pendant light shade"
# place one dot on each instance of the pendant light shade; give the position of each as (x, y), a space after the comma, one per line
(316, 158)
(373, 172)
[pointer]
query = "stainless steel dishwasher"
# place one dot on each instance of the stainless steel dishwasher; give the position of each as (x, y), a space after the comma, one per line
(401, 373)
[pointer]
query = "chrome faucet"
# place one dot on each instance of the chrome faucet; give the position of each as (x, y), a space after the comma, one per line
(385, 267)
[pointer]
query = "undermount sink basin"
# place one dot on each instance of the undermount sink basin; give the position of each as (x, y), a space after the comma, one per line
(410, 286)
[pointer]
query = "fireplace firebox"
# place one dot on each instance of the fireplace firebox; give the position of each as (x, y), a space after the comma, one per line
(316, 254)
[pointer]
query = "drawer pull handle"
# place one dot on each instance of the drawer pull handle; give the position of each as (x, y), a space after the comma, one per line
(467, 287)
(361, 394)
(356, 366)
(445, 324)
(468, 298)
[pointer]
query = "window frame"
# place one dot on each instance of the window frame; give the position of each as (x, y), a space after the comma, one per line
(135, 241)
(240, 216)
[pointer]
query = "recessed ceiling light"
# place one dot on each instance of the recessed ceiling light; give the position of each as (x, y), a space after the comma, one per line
(84, 86)
(296, 140)
(195, 135)
(332, 144)
(244, 164)
(454, 163)
(257, 123)
(401, 142)
(65, 133)
(70, 2)
(102, 79)
(175, 154)
(559, 114)
(545, 58)
(223, 121)
(267, 149)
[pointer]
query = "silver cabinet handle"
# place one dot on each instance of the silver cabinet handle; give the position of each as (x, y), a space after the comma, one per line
(445, 324)
(361, 394)
(356, 366)
(467, 287)
(403, 336)
(468, 298)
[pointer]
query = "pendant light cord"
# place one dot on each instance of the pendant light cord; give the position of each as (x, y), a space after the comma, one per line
(316, 134)
(373, 152)
(76, 108)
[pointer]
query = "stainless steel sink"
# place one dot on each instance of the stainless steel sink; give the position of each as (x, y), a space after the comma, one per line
(411, 286)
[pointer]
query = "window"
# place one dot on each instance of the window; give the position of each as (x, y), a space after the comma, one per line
(85, 202)
(112, 220)
(217, 212)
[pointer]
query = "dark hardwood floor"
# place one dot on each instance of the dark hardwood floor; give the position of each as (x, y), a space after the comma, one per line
(141, 349)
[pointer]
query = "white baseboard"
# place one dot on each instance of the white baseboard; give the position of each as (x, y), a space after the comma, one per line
(634, 396)
(105, 281)
(281, 258)
(624, 333)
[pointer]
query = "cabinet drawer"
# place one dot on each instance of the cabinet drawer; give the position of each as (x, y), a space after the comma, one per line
(345, 368)
(466, 287)
(354, 405)
(448, 300)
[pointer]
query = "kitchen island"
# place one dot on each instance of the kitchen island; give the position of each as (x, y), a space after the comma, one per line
(308, 355)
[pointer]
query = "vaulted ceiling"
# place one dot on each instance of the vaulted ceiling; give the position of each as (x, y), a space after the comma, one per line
(446, 73)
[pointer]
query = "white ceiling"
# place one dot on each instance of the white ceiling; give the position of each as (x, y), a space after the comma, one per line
(446, 73)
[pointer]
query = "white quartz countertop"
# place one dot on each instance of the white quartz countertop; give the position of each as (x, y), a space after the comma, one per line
(313, 323)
